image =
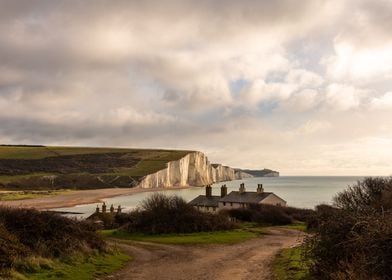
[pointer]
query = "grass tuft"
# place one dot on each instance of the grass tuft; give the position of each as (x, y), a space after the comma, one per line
(291, 265)
(86, 268)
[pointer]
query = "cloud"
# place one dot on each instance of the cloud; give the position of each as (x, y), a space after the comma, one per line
(304, 78)
(359, 65)
(383, 102)
(342, 97)
(257, 83)
(304, 100)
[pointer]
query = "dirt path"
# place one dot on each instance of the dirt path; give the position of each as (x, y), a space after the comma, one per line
(247, 260)
(76, 198)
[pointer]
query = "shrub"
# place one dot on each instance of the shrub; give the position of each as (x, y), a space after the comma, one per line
(370, 196)
(263, 214)
(353, 240)
(172, 214)
(48, 234)
(10, 249)
(298, 214)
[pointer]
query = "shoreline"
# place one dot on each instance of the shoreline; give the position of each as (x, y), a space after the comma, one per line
(79, 197)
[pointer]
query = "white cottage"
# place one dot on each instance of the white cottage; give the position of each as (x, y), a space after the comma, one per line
(235, 199)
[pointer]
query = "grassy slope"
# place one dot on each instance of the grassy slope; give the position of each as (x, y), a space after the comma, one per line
(150, 160)
(81, 269)
(218, 237)
(15, 152)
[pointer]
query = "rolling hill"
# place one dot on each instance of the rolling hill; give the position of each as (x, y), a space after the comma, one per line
(42, 167)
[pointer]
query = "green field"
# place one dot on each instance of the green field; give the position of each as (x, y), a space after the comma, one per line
(82, 268)
(24, 167)
(217, 237)
(22, 152)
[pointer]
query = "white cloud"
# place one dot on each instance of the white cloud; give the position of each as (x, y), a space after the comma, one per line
(304, 78)
(383, 102)
(313, 126)
(357, 64)
(259, 91)
(301, 101)
(342, 97)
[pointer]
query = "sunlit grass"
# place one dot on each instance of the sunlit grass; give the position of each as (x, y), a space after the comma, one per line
(218, 237)
(82, 268)
(297, 226)
(290, 264)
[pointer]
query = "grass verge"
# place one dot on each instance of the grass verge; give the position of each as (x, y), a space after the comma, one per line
(297, 226)
(86, 268)
(218, 237)
(291, 265)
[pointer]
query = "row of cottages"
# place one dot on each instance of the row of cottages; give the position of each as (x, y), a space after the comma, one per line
(235, 199)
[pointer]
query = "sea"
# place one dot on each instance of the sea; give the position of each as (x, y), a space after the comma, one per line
(298, 191)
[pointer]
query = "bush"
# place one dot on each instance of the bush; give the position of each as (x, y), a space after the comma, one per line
(270, 214)
(353, 240)
(45, 234)
(298, 214)
(160, 214)
(10, 249)
(370, 196)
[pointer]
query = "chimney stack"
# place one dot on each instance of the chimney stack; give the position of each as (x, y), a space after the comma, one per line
(104, 208)
(242, 188)
(260, 188)
(223, 190)
(208, 191)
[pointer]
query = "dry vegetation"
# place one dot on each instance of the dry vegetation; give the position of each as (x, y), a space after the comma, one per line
(26, 234)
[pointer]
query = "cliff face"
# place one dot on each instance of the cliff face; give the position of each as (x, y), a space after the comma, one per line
(193, 169)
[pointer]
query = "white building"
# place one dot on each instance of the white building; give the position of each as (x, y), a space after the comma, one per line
(235, 199)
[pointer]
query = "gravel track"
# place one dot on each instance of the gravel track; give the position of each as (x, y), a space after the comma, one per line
(249, 260)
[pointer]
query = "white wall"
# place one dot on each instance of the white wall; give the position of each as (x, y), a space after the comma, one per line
(274, 200)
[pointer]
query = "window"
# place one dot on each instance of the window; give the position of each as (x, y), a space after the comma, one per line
(231, 203)
(224, 203)
(213, 208)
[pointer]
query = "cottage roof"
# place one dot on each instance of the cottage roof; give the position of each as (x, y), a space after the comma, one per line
(245, 197)
(206, 201)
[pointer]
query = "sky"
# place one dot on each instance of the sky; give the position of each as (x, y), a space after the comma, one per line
(302, 87)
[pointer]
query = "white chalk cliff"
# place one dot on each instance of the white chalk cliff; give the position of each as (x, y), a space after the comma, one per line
(194, 169)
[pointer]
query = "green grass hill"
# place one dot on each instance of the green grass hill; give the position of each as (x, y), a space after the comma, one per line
(42, 167)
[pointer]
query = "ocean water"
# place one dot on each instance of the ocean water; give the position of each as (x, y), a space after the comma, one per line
(298, 191)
